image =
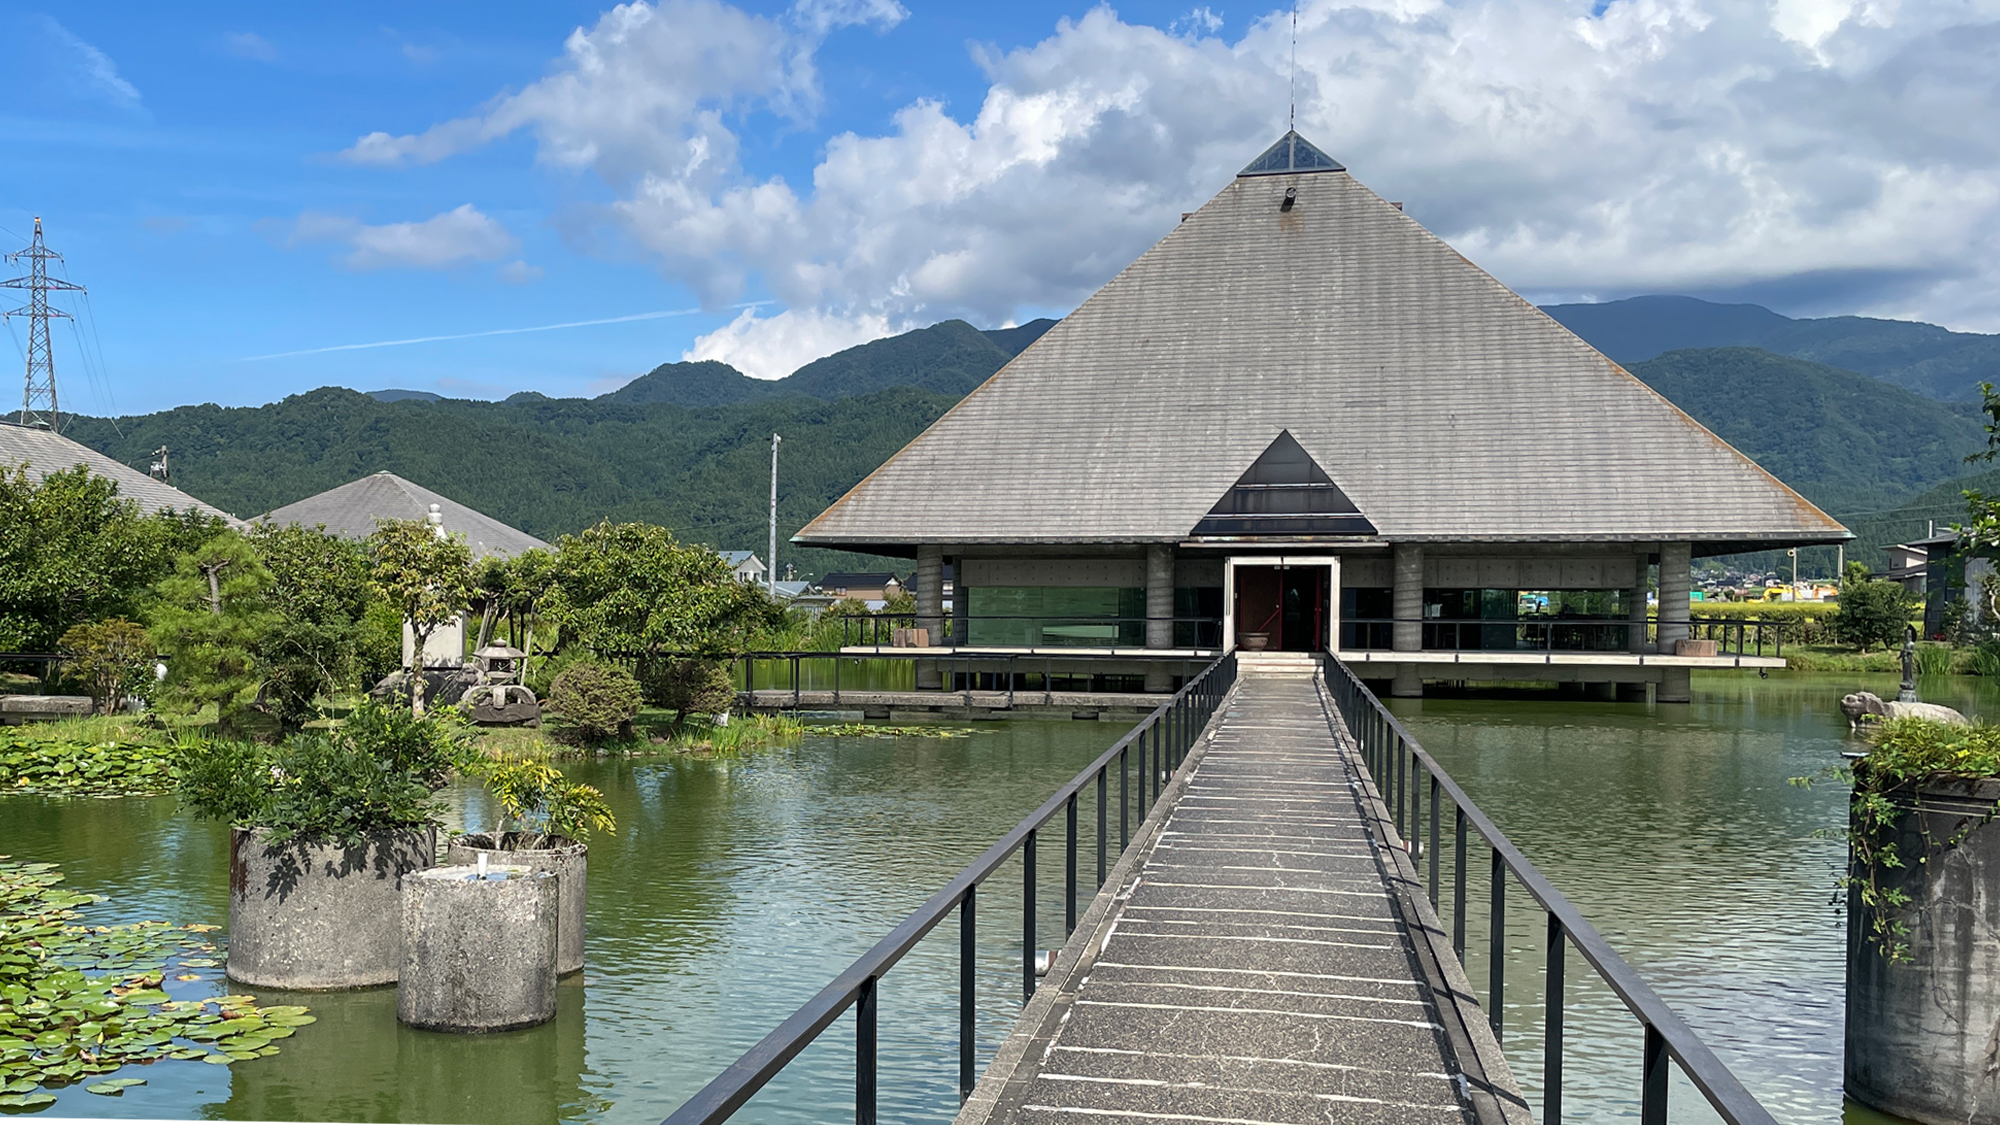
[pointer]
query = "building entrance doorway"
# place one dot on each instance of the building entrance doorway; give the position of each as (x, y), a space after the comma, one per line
(1288, 606)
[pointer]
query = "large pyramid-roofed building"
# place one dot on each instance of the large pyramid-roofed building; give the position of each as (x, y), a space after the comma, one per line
(1298, 301)
(45, 452)
(352, 509)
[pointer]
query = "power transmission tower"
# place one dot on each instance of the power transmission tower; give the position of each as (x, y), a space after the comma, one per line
(38, 402)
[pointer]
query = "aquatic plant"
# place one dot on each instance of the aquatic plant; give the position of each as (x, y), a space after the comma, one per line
(35, 760)
(868, 730)
(1933, 660)
(81, 1002)
(539, 800)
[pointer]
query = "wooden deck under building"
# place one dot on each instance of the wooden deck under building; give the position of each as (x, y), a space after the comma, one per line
(1264, 954)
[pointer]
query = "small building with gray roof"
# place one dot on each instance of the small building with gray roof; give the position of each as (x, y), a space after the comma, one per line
(44, 451)
(1302, 420)
(352, 510)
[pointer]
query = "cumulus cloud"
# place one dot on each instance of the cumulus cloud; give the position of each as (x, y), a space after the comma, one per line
(250, 45)
(1837, 148)
(456, 237)
(775, 346)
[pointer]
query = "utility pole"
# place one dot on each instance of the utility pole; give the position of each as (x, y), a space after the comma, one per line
(160, 471)
(771, 564)
(38, 402)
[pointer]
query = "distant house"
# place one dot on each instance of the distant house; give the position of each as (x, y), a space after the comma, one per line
(873, 588)
(44, 452)
(1908, 564)
(748, 567)
(1949, 580)
(351, 512)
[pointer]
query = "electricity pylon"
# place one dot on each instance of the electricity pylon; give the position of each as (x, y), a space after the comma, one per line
(38, 402)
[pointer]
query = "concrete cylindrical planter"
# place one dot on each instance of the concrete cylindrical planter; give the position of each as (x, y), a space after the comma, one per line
(479, 950)
(566, 859)
(315, 917)
(1920, 1033)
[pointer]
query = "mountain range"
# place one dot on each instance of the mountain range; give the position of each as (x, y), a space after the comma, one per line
(1878, 440)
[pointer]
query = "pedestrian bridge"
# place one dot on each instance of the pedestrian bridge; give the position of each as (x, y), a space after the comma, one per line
(1273, 938)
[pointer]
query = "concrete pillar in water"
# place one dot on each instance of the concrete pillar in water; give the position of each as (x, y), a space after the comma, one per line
(562, 857)
(1921, 1032)
(930, 609)
(1676, 580)
(1159, 611)
(1407, 607)
(479, 949)
(309, 916)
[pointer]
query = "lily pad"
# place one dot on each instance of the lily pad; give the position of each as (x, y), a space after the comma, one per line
(113, 1087)
(19, 1103)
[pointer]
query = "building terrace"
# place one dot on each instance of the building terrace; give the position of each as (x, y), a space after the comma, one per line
(1301, 421)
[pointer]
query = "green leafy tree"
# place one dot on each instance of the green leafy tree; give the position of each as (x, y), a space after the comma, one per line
(631, 591)
(538, 799)
(687, 687)
(1872, 611)
(72, 551)
(428, 576)
(319, 590)
(112, 657)
(212, 613)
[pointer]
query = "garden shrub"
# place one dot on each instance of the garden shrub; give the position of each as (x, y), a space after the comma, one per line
(687, 687)
(598, 699)
(378, 771)
(1873, 612)
(538, 800)
(112, 658)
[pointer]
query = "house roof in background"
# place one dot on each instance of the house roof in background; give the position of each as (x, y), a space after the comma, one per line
(738, 558)
(351, 510)
(861, 580)
(1445, 406)
(45, 452)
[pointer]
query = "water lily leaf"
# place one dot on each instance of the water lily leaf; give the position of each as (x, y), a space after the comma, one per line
(26, 1102)
(188, 1053)
(220, 1060)
(201, 962)
(241, 1056)
(293, 1021)
(285, 1010)
(113, 1087)
(240, 1025)
(265, 1052)
(146, 996)
(189, 976)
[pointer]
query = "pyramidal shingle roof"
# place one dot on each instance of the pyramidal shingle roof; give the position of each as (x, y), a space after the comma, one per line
(45, 452)
(350, 511)
(1444, 405)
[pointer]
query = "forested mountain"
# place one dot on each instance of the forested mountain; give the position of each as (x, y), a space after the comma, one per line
(683, 447)
(1931, 361)
(950, 357)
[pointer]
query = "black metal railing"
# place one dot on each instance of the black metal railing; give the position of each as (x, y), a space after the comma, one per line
(1550, 633)
(1002, 630)
(1141, 761)
(834, 677)
(1405, 777)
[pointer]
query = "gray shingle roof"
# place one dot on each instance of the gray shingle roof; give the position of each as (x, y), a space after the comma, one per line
(46, 452)
(351, 510)
(1443, 404)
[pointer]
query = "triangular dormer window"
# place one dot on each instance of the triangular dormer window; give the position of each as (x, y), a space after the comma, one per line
(1284, 493)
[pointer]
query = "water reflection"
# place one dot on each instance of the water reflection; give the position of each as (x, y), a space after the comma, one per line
(1675, 830)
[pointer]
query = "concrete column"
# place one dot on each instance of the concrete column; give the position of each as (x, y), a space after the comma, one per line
(1676, 580)
(1407, 607)
(1159, 611)
(1635, 612)
(930, 610)
(479, 948)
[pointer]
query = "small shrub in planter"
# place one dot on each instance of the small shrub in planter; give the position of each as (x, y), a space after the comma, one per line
(325, 824)
(546, 820)
(598, 699)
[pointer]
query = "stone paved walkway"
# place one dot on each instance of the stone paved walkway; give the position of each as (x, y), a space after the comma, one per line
(1260, 966)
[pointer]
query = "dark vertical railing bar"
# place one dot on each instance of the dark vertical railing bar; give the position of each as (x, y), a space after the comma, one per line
(1458, 888)
(1069, 872)
(1653, 1079)
(1496, 942)
(1124, 803)
(1552, 1028)
(1103, 783)
(1027, 917)
(1436, 791)
(968, 994)
(864, 1054)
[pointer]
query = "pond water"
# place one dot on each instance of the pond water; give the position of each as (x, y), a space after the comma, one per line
(735, 889)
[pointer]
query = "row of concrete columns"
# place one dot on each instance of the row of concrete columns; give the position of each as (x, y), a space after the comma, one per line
(1407, 633)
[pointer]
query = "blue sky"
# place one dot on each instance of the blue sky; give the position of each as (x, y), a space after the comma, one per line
(765, 182)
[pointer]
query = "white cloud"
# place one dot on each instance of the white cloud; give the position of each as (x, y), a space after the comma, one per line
(1841, 149)
(96, 73)
(518, 272)
(775, 346)
(250, 45)
(453, 238)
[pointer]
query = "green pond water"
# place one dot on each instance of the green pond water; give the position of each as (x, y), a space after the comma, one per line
(735, 889)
